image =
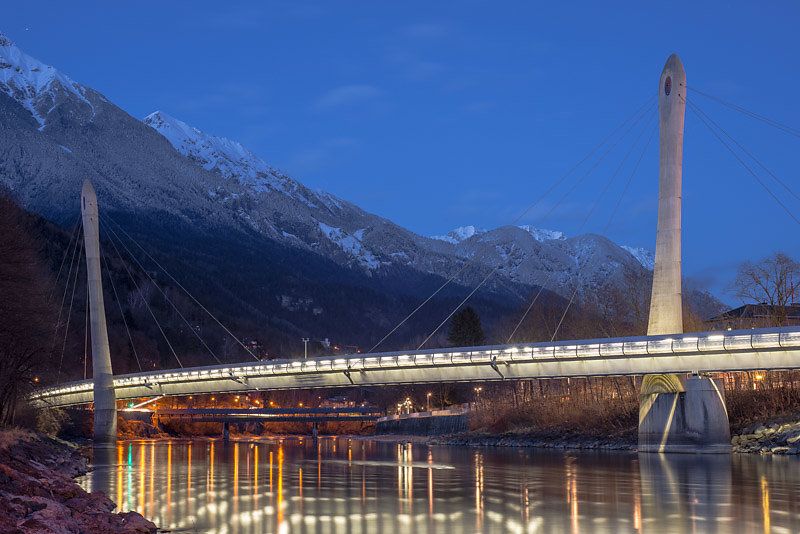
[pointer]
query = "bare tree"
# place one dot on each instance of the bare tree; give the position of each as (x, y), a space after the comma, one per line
(769, 283)
(26, 318)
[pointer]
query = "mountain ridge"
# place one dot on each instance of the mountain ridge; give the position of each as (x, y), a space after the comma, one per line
(237, 163)
(287, 248)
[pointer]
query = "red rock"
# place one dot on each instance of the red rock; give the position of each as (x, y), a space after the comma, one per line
(134, 522)
(37, 494)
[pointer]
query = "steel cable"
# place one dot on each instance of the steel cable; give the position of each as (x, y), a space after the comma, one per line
(147, 305)
(121, 229)
(516, 220)
(564, 197)
(588, 216)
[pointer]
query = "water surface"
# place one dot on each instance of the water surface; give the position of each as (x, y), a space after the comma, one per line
(341, 485)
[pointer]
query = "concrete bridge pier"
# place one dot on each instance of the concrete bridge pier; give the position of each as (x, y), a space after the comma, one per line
(314, 430)
(675, 414)
(226, 431)
(693, 421)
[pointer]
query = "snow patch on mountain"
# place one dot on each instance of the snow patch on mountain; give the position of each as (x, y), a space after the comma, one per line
(213, 153)
(643, 256)
(542, 234)
(32, 83)
(234, 162)
(351, 244)
(462, 233)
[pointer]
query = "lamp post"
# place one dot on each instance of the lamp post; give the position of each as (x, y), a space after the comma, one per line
(305, 345)
(429, 400)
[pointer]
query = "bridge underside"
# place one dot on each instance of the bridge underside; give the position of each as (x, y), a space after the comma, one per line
(263, 415)
(745, 350)
(281, 419)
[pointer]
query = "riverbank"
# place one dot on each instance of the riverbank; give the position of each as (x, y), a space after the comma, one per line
(559, 440)
(775, 438)
(38, 492)
(777, 435)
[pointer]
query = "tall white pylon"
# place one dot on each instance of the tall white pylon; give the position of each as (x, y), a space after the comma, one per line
(676, 414)
(666, 310)
(105, 402)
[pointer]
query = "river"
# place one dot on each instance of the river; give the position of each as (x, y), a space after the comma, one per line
(342, 485)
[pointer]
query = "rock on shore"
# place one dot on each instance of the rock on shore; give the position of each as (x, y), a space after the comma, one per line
(38, 493)
(773, 439)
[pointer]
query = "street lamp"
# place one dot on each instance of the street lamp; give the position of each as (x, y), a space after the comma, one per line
(429, 400)
(305, 344)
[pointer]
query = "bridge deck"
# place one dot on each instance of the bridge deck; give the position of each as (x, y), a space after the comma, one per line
(737, 350)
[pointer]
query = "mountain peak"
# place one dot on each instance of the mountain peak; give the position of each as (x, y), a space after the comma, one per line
(643, 256)
(462, 233)
(5, 41)
(233, 161)
(33, 84)
(220, 154)
(543, 234)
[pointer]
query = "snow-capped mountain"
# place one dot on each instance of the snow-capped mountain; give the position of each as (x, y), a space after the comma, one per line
(644, 256)
(525, 254)
(233, 161)
(54, 133)
(38, 87)
(459, 234)
(542, 234)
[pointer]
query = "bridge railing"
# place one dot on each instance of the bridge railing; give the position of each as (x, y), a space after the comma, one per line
(655, 346)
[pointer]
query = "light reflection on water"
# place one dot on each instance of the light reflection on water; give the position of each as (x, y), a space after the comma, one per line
(342, 485)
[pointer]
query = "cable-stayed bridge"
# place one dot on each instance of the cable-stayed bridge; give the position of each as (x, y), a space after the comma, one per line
(704, 352)
(676, 413)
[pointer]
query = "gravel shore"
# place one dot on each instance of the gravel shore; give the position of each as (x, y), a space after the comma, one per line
(772, 439)
(546, 440)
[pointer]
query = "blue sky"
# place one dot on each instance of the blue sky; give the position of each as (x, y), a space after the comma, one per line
(442, 114)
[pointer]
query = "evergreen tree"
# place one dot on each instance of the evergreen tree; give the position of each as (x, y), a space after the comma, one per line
(465, 329)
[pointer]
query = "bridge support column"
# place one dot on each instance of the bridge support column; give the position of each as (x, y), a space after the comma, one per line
(105, 402)
(314, 430)
(695, 420)
(667, 405)
(226, 431)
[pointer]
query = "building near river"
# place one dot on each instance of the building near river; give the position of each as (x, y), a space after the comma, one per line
(756, 316)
